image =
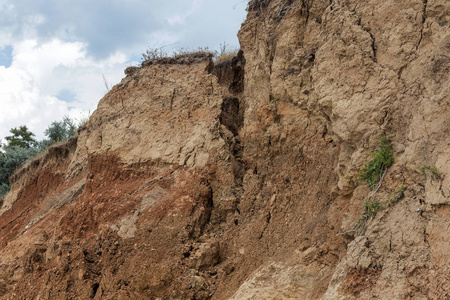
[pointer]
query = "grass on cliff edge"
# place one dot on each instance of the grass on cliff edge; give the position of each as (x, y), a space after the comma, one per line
(225, 53)
(373, 171)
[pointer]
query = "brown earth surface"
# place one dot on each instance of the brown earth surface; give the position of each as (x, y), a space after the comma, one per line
(234, 181)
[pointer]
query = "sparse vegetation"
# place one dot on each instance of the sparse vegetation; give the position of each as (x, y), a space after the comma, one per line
(374, 170)
(397, 195)
(225, 53)
(371, 209)
(106, 83)
(185, 51)
(433, 171)
(160, 53)
(83, 122)
(154, 53)
(373, 173)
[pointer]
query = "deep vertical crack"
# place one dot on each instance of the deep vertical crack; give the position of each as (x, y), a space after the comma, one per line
(171, 99)
(424, 16)
(374, 47)
(232, 117)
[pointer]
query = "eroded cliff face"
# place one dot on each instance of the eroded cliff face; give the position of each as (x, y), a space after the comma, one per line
(195, 181)
(124, 210)
(356, 71)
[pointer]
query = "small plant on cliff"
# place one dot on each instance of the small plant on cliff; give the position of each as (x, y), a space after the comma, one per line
(397, 195)
(371, 209)
(225, 54)
(374, 170)
(186, 51)
(433, 171)
(373, 173)
(83, 121)
(154, 53)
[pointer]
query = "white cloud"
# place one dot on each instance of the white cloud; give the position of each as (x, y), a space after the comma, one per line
(40, 59)
(39, 72)
(6, 6)
(23, 104)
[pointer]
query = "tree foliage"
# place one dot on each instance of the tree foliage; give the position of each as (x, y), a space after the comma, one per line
(12, 158)
(60, 131)
(21, 137)
(4, 189)
(22, 146)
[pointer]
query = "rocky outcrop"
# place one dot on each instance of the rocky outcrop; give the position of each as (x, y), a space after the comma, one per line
(236, 181)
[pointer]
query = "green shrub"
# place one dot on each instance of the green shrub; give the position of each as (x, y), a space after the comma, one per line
(60, 131)
(373, 171)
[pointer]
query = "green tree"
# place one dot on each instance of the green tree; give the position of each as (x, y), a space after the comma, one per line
(21, 137)
(10, 159)
(60, 131)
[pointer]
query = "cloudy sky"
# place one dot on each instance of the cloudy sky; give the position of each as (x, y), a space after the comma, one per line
(54, 54)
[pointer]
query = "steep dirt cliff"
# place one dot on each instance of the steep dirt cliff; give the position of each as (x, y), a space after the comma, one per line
(237, 181)
(355, 71)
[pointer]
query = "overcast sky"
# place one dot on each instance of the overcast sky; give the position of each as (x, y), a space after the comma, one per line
(54, 53)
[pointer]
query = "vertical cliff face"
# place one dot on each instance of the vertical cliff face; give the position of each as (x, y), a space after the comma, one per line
(236, 181)
(351, 72)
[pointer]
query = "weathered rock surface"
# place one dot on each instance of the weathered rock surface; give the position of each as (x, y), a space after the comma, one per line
(360, 70)
(195, 181)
